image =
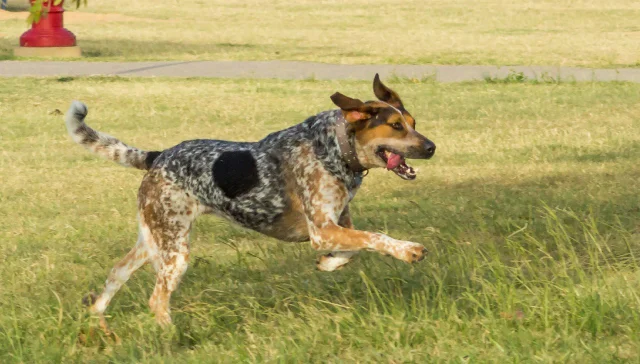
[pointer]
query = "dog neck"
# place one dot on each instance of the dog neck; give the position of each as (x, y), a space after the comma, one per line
(347, 148)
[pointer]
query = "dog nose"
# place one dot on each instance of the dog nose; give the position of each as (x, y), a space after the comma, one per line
(429, 148)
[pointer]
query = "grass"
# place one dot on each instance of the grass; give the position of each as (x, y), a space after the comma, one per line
(530, 211)
(592, 33)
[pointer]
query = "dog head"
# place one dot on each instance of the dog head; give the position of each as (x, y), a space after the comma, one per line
(385, 133)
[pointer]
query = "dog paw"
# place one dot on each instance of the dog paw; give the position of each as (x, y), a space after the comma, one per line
(92, 336)
(333, 261)
(89, 299)
(163, 319)
(411, 252)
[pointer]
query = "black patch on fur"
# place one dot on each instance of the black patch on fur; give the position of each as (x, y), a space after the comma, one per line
(235, 172)
(80, 115)
(151, 156)
(89, 136)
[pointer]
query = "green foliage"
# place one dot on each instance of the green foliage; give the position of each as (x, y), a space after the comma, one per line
(39, 8)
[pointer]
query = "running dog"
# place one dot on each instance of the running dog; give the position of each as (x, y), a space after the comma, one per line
(294, 185)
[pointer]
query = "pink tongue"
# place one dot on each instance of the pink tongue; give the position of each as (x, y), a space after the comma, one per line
(393, 161)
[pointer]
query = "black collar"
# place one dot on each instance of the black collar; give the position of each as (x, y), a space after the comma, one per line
(347, 149)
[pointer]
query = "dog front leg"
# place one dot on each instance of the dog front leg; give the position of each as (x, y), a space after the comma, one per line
(330, 236)
(324, 199)
(337, 259)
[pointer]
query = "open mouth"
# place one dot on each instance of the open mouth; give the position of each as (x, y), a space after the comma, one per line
(396, 163)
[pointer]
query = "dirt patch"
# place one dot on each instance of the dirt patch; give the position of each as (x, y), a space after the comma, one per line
(79, 18)
(8, 15)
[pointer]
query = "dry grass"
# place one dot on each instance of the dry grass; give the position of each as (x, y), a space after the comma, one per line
(602, 33)
(529, 210)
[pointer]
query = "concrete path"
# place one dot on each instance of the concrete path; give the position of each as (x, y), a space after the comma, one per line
(301, 70)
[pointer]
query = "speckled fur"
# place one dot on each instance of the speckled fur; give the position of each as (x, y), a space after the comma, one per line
(302, 193)
(189, 165)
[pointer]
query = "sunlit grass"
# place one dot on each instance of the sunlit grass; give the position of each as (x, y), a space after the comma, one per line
(599, 33)
(530, 211)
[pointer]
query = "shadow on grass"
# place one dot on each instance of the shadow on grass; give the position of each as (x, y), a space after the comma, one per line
(489, 243)
(168, 50)
(99, 48)
(131, 50)
(6, 49)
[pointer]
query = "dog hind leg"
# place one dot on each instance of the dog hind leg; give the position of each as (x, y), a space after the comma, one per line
(171, 268)
(118, 276)
(169, 211)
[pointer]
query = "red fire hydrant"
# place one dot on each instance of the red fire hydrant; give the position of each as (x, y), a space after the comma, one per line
(48, 37)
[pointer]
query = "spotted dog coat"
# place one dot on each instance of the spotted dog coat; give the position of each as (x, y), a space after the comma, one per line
(249, 179)
(293, 185)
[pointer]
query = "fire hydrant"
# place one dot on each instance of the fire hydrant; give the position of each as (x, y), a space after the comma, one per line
(48, 37)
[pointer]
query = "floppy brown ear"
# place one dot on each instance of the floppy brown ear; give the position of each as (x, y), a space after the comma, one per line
(352, 109)
(383, 93)
(346, 103)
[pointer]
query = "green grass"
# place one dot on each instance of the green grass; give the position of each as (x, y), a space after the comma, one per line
(592, 33)
(530, 211)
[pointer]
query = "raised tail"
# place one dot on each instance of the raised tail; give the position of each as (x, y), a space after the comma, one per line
(103, 144)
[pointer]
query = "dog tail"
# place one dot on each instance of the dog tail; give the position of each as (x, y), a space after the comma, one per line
(103, 144)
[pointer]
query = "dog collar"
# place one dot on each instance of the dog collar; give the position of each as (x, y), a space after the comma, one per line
(347, 150)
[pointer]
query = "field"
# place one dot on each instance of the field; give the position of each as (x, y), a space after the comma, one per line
(530, 210)
(591, 33)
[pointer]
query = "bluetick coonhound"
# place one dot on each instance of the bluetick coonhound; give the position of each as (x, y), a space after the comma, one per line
(293, 185)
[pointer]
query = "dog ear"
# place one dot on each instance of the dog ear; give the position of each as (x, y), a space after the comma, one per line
(346, 103)
(383, 93)
(353, 109)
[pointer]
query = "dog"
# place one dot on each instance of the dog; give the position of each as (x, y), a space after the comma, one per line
(294, 185)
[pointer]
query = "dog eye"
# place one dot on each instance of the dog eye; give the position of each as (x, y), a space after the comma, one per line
(397, 126)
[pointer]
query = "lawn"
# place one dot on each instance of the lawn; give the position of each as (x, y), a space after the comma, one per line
(591, 33)
(530, 210)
